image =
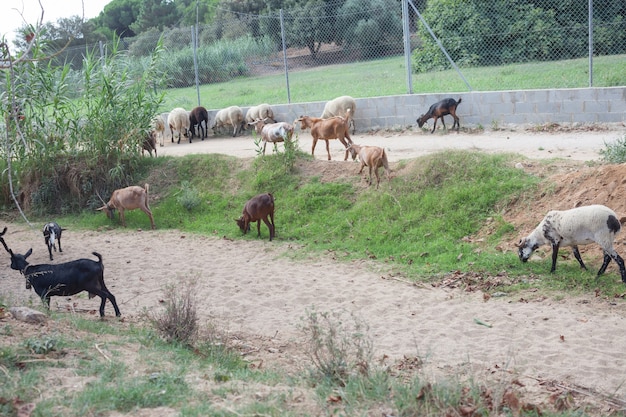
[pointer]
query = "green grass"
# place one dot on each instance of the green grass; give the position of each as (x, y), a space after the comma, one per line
(388, 77)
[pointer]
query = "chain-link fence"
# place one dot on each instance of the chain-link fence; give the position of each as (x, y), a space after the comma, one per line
(432, 35)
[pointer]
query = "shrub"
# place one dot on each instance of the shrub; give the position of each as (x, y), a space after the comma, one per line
(615, 153)
(179, 321)
(337, 347)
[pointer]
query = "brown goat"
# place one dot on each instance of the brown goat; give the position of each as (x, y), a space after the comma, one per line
(129, 198)
(260, 207)
(440, 109)
(373, 157)
(149, 143)
(332, 128)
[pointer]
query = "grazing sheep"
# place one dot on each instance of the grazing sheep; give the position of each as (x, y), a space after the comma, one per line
(196, 117)
(578, 226)
(230, 116)
(343, 106)
(178, 120)
(440, 109)
(51, 235)
(260, 207)
(129, 198)
(325, 129)
(262, 111)
(65, 279)
(272, 132)
(373, 157)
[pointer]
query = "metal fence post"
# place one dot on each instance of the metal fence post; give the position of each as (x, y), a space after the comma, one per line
(194, 41)
(407, 45)
(590, 43)
(282, 35)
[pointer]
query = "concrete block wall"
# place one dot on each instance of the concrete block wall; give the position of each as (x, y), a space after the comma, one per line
(484, 108)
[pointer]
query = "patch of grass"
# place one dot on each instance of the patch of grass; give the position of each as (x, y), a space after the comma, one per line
(615, 153)
(358, 80)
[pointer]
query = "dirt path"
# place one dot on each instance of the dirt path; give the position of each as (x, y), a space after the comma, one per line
(582, 145)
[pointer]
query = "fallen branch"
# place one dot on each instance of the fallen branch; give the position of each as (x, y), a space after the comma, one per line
(102, 353)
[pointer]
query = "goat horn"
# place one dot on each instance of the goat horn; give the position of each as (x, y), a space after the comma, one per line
(98, 194)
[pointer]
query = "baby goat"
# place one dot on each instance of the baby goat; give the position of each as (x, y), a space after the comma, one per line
(65, 279)
(374, 157)
(52, 234)
(256, 209)
(129, 198)
(440, 109)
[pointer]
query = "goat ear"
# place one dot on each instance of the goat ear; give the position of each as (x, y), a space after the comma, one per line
(101, 208)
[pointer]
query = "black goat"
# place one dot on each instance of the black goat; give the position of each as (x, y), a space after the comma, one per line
(64, 279)
(440, 109)
(51, 235)
(196, 117)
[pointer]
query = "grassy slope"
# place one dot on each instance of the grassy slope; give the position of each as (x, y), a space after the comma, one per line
(363, 79)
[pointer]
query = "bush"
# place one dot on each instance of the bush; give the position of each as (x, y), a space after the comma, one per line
(179, 321)
(615, 153)
(337, 348)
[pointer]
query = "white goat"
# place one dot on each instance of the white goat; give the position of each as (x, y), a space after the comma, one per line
(578, 226)
(129, 198)
(272, 132)
(178, 120)
(374, 158)
(343, 106)
(230, 116)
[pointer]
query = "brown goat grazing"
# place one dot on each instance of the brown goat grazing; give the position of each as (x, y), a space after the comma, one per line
(272, 132)
(260, 207)
(149, 143)
(333, 128)
(129, 198)
(373, 157)
(440, 109)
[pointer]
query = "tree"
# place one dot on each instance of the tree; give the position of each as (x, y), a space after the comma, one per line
(309, 26)
(119, 15)
(158, 14)
(373, 26)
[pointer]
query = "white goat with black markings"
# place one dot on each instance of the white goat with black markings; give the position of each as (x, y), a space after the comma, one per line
(272, 132)
(577, 226)
(52, 235)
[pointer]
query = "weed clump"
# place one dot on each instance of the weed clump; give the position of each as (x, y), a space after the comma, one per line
(338, 347)
(178, 322)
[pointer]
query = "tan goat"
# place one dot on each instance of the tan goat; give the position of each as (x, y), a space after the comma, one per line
(333, 128)
(129, 198)
(374, 157)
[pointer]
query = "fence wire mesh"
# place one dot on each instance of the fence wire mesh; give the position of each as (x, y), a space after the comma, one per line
(474, 33)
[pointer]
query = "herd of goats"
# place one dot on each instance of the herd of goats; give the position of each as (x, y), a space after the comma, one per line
(577, 226)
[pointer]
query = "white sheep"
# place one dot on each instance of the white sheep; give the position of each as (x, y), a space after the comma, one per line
(339, 107)
(178, 120)
(262, 111)
(230, 116)
(577, 226)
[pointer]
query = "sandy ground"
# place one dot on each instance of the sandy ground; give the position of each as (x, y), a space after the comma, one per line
(252, 288)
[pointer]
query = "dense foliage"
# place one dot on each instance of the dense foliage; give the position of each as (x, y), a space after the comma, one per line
(478, 33)
(77, 133)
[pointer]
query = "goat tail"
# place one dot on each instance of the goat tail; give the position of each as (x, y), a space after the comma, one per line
(97, 255)
(385, 161)
(459, 101)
